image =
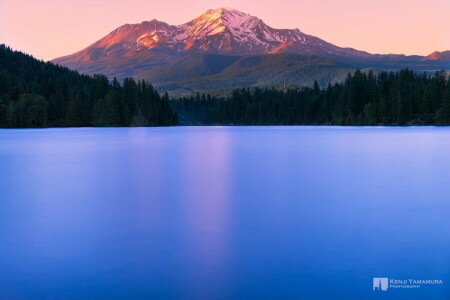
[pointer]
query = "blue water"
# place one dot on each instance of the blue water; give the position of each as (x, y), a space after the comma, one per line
(223, 212)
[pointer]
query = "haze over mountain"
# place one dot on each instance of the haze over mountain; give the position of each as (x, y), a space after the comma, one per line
(158, 51)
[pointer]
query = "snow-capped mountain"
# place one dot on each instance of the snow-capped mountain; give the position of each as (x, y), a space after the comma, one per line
(219, 31)
(153, 47)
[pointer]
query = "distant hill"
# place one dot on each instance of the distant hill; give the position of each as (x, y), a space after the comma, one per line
(439, 56)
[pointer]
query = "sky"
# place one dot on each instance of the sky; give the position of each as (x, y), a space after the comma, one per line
(52, 28)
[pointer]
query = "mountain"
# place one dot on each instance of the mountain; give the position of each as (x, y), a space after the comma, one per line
(153, 47)
(439, 56)
(220, 31)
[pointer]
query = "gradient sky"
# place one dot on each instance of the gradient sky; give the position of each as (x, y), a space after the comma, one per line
(51, 28)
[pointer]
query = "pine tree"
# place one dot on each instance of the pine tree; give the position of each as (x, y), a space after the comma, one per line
(106, 111)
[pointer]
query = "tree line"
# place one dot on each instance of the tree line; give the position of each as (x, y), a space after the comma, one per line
(385, 98)
(34, 93)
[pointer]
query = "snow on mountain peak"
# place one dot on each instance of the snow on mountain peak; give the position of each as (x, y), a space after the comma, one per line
(221, 20)
(221, 30)
(224, 12)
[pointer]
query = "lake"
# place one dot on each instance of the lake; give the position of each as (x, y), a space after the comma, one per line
(224, 212)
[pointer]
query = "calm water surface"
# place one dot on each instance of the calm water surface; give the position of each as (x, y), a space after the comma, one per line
(223, 212)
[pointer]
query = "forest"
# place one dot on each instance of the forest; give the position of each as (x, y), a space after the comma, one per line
(364, 98)
(34, 93)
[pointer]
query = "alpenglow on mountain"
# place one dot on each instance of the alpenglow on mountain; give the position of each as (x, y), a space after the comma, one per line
(215, 41)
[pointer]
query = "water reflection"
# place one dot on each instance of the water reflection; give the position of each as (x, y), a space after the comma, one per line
(206, 201)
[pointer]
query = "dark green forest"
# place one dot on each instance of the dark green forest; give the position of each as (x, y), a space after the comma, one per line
(402, 98)
(34, 93)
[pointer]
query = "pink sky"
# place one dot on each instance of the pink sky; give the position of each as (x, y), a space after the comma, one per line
(51, 28)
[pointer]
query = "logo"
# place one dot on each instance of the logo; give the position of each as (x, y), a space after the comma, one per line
(383, 284)
(380, 284)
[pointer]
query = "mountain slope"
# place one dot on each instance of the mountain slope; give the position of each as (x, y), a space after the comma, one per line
(244, 71)
(189, 67)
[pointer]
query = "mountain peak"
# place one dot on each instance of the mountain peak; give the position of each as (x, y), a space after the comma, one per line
(227, 14)
(220, 20)
(224, 9)
(241, 27)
